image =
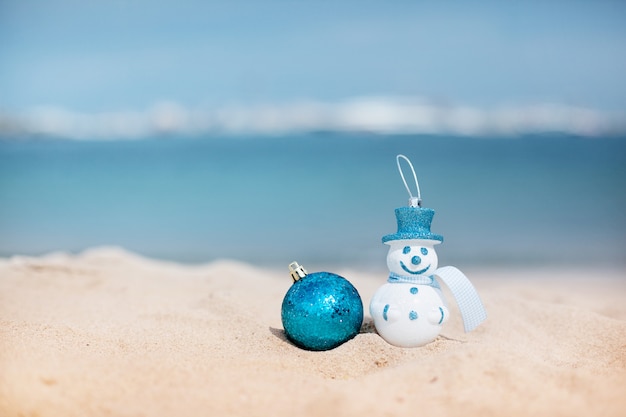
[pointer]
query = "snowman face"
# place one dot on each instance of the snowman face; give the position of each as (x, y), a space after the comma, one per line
(412, 257)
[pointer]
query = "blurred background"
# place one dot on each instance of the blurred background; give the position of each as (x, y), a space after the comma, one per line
(267, 131)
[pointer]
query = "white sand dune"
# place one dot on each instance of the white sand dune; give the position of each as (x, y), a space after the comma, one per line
(109, 333)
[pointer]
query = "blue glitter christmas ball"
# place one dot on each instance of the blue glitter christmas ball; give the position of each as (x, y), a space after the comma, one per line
(321, 311)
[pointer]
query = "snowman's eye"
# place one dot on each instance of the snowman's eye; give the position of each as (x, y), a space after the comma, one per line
(424, 251)
(406, 250)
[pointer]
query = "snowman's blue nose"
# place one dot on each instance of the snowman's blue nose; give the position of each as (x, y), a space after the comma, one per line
(416, 260)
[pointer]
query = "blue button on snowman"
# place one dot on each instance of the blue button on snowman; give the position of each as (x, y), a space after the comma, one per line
(410, 309)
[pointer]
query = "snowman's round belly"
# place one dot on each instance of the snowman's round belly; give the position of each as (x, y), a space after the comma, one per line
(408, 315)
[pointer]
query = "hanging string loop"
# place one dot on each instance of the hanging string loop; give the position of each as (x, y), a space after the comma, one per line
(413, 201)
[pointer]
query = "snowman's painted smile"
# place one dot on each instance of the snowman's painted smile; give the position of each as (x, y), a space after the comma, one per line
(421, 271)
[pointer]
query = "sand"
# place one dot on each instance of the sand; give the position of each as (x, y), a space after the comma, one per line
(110, 333)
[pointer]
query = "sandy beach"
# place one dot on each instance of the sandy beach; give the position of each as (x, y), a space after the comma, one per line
(110, 333)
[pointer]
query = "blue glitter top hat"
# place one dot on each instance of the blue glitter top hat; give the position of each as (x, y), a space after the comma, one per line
(413, 223)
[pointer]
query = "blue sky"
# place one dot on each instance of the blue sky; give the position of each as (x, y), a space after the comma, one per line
(95, 56)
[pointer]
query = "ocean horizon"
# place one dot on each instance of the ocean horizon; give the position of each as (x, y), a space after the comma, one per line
(324, 198)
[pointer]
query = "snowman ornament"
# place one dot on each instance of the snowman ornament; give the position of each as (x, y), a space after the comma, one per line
(410, 309)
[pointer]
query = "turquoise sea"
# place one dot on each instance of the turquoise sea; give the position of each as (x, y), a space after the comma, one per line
(321, 198)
